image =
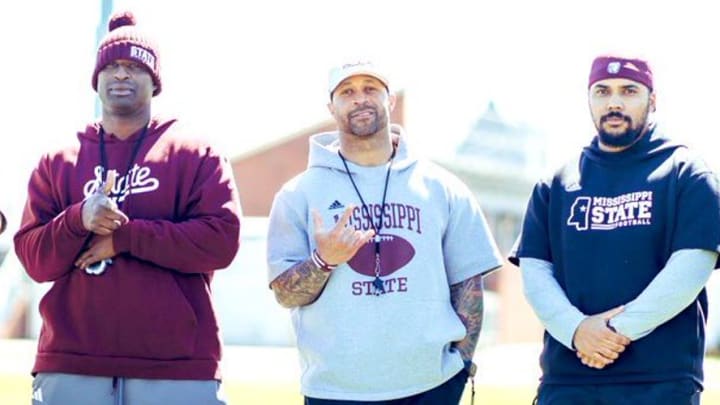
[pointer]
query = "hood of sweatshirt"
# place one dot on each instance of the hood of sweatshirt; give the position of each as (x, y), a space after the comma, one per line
(156, 126)
(324, 149)
(650, 145)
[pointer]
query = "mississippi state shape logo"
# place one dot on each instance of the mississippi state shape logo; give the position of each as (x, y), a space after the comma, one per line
(608, 213)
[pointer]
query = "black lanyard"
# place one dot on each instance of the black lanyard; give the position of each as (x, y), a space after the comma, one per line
(133, 156)
(377, 283)
(99, 268)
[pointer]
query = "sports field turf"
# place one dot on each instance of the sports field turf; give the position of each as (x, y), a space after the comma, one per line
(255, 375)
(16, 390)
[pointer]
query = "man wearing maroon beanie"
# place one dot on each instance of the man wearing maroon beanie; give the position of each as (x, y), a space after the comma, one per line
(615, 251)
(129, 224)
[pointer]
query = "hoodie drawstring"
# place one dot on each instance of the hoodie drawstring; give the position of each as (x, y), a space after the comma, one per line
(118, 390)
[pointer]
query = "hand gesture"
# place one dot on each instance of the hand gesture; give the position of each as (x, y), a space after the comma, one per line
(597, 345)
(340, 243)
(100, 214)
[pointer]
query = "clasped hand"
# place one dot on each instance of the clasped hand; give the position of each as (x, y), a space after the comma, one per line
(597, 345)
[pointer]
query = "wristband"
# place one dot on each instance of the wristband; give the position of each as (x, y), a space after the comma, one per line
(320, 263)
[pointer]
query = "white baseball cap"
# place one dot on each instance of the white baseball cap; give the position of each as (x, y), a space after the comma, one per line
(342, 72)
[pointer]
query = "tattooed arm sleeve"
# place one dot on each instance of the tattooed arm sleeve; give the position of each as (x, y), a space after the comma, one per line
(467, 299)
(300, 285)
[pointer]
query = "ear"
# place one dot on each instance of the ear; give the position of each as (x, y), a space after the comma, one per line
(652, 102)
(331, 107)
(392, 100)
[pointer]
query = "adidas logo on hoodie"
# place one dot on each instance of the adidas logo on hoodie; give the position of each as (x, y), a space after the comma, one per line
(336, 205)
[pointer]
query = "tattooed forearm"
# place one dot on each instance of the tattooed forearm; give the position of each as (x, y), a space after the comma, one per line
(300, 285)
(467, 299)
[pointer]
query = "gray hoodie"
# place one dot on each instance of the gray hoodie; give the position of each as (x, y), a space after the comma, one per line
(353, 344)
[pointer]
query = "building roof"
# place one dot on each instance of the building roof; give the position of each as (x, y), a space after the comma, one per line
(495, 144)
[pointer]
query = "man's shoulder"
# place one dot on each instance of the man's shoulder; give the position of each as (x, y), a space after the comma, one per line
(61, 153)
(432, 171)
(83, 132)
(567, 172)
(687, 161)
(687, 154)
(308, 180)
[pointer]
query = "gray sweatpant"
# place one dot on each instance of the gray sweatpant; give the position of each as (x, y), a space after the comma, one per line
(63, 389)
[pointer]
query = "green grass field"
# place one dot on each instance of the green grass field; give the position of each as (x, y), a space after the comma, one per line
(507, 375)
(16, 390)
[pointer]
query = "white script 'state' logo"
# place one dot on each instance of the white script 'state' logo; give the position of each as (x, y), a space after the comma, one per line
(137, 180)
(607, 213)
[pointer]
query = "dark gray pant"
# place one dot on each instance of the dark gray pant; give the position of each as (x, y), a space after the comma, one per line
(674, 392)
(63, 389)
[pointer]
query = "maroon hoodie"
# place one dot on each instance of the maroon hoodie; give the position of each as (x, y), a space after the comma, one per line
(150, 314)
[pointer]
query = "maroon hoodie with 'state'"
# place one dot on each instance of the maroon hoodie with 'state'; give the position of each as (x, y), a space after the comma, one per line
(149, 315)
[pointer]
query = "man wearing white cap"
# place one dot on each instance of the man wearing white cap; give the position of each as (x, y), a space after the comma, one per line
(380, 255)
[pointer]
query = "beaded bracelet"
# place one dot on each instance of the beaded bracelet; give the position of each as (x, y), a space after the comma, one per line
(320, 263)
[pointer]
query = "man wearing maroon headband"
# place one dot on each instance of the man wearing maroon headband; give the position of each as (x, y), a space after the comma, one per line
(129, 224)
(615, 252)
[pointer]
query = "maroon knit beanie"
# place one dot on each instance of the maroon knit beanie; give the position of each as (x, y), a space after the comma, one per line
(125, 41)
(608, 67)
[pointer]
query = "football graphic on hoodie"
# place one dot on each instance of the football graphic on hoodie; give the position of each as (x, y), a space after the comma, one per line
(395, 253)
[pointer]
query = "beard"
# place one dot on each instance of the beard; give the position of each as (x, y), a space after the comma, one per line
(624, 139)
(366, 127)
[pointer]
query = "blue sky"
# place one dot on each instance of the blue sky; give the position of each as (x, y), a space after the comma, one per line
(245, 73)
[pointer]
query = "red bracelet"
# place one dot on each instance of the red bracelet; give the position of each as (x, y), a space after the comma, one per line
(320, 263)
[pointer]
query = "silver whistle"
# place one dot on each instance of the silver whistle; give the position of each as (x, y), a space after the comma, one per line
(98, 268)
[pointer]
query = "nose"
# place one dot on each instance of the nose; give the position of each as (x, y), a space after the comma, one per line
(360, 98)
(121, 72)
(615, 103)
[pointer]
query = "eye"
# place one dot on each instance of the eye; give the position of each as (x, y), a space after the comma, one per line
(347, 91)
(134, 66)
(601, 91)
(371, 89)
(111, 66)
(630, 91)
